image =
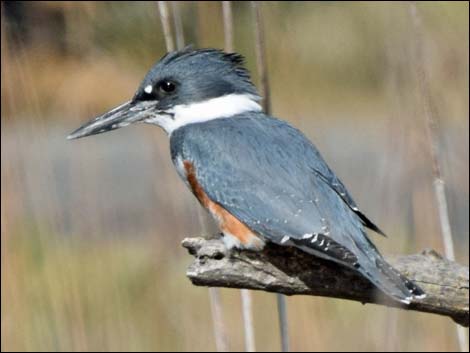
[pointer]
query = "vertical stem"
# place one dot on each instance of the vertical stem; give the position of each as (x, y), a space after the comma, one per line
(260, 48)
(165, 18)
(248, 320)
(283, 327)
(430, 114)
(214, 293)
(178, 25)
(220, 331)
(245, 294)
(228, 26)
(439, 189)
(218, 320)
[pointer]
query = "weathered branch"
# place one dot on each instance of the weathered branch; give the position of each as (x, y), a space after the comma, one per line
(290, 271)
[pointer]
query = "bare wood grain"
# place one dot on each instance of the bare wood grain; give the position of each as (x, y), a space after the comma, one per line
(290, 271)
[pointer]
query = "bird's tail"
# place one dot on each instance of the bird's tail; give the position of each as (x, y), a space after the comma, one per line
(392, 282)
(367, 260)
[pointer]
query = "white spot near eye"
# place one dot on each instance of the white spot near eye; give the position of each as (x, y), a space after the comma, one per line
(148, 89)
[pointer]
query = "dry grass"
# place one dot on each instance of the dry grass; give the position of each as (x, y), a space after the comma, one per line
(90, 254)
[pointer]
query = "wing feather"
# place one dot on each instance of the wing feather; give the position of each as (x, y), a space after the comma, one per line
(270, 177)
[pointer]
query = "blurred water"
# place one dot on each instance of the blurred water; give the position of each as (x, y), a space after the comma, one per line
(123, 182)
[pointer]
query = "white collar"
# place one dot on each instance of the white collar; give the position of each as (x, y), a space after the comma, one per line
(214, 108)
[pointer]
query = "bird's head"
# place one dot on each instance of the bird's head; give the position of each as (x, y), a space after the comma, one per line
(183, 87)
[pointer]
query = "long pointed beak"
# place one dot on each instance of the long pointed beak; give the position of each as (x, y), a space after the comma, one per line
(123, 115)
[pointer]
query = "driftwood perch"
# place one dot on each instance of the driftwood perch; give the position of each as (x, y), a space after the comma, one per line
(290, 271)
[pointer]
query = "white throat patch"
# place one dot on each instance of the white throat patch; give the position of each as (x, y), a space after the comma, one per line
(214, 108)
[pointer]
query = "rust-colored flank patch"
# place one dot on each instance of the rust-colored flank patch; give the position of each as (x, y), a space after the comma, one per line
(227, 223)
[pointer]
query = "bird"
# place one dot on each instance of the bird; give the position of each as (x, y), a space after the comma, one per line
(260, 178)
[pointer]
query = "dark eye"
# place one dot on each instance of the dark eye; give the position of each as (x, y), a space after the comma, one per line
(166, 86)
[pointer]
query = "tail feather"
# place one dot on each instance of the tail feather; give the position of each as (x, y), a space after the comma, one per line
(393, 283)
(366, 261)
(384, 276)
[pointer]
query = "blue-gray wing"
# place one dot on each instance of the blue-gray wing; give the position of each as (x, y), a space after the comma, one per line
(270, 177)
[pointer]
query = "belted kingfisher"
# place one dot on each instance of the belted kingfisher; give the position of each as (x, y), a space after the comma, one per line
(260, 178)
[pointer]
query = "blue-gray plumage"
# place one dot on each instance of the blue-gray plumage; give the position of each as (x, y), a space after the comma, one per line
(260, 178)
(275, 181)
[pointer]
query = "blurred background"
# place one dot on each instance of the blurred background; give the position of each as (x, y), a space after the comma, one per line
(91, 229)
